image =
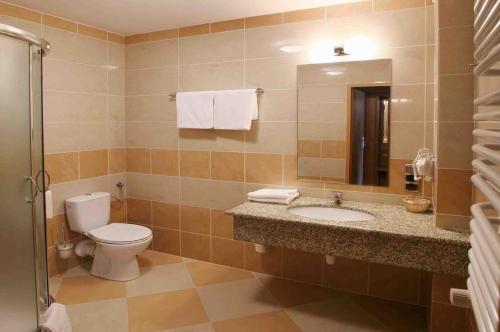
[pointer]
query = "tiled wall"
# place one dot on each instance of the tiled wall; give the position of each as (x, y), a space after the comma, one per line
(84, 112)
(181, 181)
(454, 118)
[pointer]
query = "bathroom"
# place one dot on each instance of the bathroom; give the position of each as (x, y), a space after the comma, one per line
(135, 201)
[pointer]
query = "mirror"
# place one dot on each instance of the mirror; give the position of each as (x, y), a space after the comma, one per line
(343, 122)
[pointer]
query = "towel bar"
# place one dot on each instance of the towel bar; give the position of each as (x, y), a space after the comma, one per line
(258, 91)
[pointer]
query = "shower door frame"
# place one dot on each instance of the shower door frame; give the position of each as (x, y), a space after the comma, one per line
(37, 47)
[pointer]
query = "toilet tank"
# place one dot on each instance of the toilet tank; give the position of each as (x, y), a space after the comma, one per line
(88, 212)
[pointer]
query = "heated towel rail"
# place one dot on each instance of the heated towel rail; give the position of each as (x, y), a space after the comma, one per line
(483, 283)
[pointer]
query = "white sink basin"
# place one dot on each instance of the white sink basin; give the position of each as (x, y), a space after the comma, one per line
(329, 213)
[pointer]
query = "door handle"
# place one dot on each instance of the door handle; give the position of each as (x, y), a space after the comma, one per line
(34, 189)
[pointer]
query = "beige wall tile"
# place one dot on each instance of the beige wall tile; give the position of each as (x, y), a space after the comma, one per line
(309, 148)
(454, 144)
(216, 140)
(195, 246)
(322, 112)
(304, 15)
(92, 32)
(456, 41)
(269, 263)
(116, 108)
(396, 4)
(159, 188)
(66, 76)
(406, 139)
(165, 162)
(212, 76)
(195, 164)
(116, 82)
(59, 23)
(264, 20)
(157, 135)
(151, 81)
(200, 193)
(222, 26)
(267, 42)
(302, 266)
(138, 160)
(221, 224)
(194, 30)
(228, 252)
(166, 240)
(408, 64)
(28, 25)
(455, 13)
(322, 131)
(264, 168)
(452, 222)
(227, 166)
(93, 163)
(139, 211)
(272, 73)
(272, 137)
(278, 105)
(227, 46)
(333, 149)
(150, 108)
(454, 192)
(349, 9)
(152, 54)
(22, 13)
(290, 177)
(407, 102)
(165, 215)
(395, 283)
(118, 212)
(62, 167)
(195, 220)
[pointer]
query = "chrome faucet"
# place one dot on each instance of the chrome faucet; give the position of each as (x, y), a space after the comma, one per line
(337, 198)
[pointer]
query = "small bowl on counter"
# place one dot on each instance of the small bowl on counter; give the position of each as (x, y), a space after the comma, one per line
(416, 204)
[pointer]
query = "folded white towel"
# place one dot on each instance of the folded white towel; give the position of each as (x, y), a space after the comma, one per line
(284, 201)
(273, 193)
(55, 319)
(235, 109)
(195, 109)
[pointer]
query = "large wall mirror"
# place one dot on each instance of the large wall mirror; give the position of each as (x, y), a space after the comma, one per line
(343, 122)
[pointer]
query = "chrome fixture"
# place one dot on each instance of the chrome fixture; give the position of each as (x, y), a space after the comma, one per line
(26, 36)
(337, 198)
(339, 51)
(258, 91)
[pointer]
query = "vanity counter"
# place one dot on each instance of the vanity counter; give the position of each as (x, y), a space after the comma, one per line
(395, 236)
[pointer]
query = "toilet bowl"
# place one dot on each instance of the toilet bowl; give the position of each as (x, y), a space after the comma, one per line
(113, 246)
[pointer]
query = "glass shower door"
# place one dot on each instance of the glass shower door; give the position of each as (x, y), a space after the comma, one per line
(23, 277)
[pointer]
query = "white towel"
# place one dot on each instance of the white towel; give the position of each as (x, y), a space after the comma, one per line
(235, 109)
(195, 109)
(49, 205)
(55, 319)
(284, 201)
(272, 193)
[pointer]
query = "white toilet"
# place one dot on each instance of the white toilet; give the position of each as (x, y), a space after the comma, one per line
(114, 246)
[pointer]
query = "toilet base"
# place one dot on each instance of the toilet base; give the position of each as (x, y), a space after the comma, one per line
(117, 262)
(113, 269)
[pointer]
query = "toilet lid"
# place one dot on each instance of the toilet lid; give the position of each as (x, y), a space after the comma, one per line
(120, 233)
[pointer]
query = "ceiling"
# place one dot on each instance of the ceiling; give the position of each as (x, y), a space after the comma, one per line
(128, 17)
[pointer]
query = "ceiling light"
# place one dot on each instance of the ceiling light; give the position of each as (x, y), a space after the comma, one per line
(291, 48)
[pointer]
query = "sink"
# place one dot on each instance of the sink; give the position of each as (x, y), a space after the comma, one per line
(330, 213)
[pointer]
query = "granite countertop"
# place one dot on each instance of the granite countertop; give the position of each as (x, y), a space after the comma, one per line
(395, 236)
(390, 219)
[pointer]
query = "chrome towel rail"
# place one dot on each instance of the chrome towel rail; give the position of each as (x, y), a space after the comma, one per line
(258, 91)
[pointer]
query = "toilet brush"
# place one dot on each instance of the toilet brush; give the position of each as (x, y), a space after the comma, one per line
(65, 247)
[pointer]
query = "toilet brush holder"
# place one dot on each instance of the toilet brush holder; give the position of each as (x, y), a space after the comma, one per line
(65, 250)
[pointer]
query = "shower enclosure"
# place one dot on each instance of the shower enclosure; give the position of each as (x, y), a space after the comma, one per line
(23, 278)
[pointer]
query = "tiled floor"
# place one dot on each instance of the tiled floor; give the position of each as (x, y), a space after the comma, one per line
(181, 295)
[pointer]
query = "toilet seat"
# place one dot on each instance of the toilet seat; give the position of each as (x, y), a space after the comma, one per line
(121, 234)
